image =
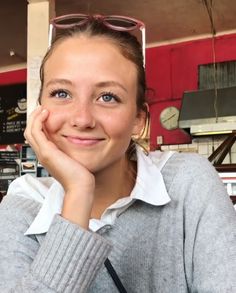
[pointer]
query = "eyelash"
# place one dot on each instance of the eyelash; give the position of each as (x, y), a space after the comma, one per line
(115, 97)
(54, 93)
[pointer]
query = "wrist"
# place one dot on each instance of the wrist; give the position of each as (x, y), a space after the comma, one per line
(77, 208)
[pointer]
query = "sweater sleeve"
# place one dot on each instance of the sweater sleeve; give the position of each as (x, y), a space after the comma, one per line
(67, 260)
(210, 229)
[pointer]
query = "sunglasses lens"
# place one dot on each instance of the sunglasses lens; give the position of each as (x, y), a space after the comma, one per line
(122, 23)
(69, 21)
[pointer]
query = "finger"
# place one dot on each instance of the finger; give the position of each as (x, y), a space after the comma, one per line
(37, 127)
(34, 131)
(30, 120)
(46, 150)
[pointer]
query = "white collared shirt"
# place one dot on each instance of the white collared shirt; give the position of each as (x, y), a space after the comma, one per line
(50, 193)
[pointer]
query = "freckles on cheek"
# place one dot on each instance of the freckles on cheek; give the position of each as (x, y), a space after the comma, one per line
(119, 126)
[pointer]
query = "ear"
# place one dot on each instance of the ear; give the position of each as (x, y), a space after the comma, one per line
(140, 122)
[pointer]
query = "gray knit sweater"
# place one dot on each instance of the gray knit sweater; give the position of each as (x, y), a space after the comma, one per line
(188, 245)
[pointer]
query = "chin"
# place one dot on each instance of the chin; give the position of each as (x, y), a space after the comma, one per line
(88, 162)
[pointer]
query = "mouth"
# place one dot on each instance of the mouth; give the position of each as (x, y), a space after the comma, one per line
(83, 141)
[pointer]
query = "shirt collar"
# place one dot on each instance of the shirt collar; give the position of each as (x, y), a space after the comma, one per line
(50, 193)
(148, 173)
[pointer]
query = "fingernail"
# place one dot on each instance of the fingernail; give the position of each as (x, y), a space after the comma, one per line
(44, 111)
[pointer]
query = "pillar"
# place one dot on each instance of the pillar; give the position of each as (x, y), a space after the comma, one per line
(39, 14)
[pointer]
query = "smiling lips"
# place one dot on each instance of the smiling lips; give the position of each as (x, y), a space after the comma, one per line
(84, 141)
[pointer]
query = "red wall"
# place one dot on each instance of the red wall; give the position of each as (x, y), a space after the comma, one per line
(173, 69)
(13, 77)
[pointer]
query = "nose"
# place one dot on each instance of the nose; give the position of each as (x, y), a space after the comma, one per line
(82, 116)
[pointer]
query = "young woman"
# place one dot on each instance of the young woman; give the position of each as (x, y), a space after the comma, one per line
(111, 218)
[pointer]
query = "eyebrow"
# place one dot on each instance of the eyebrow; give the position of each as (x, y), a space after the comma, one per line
(111, 83)
(58, 80)
(98, 85)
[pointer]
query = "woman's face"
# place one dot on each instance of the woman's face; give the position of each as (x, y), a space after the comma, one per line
(90, 91)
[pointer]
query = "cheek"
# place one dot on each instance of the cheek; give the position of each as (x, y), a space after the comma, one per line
(119, 126)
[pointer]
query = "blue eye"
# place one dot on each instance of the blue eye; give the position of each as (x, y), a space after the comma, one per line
(109, 97)
(60, 94)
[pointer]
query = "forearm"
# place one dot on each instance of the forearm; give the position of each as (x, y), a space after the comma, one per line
(69, 257)
(67, 260)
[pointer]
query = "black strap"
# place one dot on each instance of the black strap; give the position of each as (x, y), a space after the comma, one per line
(114, 276)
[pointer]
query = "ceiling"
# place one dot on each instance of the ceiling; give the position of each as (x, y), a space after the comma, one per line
(164, 20)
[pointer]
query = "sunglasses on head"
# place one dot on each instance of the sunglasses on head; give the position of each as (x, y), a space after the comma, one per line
(114, 22)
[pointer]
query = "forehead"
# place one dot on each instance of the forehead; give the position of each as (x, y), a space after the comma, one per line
(96, 43)
(89, 54)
